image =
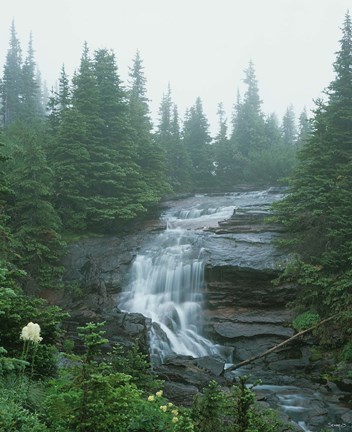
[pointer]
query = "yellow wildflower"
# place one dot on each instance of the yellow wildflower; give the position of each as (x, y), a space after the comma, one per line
(174, 419)
(175, 412)
(163, 408)
(151, 398)
(159, 393)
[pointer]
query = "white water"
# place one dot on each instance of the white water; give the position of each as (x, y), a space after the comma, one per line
(167, 281)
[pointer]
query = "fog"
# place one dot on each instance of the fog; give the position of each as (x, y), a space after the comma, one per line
(200, 47)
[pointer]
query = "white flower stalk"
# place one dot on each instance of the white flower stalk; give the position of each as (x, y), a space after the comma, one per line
(31, 332)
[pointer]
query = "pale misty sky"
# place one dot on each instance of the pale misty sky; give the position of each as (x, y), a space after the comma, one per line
(200, 46)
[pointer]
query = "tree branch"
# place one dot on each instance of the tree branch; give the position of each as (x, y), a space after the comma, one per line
(274, 348)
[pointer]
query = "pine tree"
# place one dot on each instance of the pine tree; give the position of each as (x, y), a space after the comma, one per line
(35, 223)
(225, 166)
(197, 143)
(31, 104)
(151, 154)
(318, 209)
(289, 130)
(179, 163)
(304, 129)
(117, 191)
(168, 135)
(12, 85)
(248, 121)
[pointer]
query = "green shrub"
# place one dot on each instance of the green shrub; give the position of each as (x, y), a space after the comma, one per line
(347, 352)
(305, 321)
(16, 418)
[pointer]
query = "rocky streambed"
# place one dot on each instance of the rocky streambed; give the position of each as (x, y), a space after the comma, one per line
(243, 312)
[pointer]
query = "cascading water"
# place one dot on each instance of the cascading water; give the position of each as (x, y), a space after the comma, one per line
(167, 281)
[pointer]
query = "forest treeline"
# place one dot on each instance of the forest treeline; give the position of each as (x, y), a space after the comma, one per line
(86, 158)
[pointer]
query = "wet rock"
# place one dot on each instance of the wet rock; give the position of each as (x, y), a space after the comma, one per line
(231, 330)
(190, 371)
(180, 394)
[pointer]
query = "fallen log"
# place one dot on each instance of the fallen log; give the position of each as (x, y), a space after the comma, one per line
(274, 348)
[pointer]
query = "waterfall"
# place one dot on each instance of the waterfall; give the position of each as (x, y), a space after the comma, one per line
(167, 282)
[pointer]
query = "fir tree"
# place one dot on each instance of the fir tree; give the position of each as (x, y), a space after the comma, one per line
(197, 142)
(304, 129)
(12, 85)
(248, 122)
(318, 209)
(225, 166)
(151, 154)
(289, 130)
(169, 136)
(31, 92)
(35, 223)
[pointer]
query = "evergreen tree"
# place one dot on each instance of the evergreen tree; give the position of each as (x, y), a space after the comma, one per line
(289, 130)
(31, 104)
(225, 164)
(197, 142)
(34, 221)
(304, 129)
(179, 160)
(151, 154)
(272, 131)
(117, 191)
(59, 101)
(318, 209)
(248, 121)
(12, 85)
(6, 200)
(168, 135)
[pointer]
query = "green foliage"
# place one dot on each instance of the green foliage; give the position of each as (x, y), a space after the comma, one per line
(20, 398)
(91, 396)
(208, 409)
(197, 140)
(347, 352)
(131, 361)
(305, 320)
(317, 210)
(235, 412)
(16, 310)
(15, 418)
(10, 365)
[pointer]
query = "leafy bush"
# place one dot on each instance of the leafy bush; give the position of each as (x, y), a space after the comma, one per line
(305, 320)
(347, 352)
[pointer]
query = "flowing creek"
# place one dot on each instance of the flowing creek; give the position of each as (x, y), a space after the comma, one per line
(167, 285)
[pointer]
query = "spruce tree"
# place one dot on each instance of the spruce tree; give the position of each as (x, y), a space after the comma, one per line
(318, 209)
(31, 102)
(304, 129)
(289, 130)
(12, 85)
(225, 167)
(248, 122)
(34, 221)
(117, 190)
(151, 154)
(197, 143)
(168, 134)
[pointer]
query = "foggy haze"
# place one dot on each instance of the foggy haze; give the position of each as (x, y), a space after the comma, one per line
(200, 47)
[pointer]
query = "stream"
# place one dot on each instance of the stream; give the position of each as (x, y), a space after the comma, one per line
(167, 284)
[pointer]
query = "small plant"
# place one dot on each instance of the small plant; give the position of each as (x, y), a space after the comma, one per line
(347, 352)
(305, 321)
(208, 409)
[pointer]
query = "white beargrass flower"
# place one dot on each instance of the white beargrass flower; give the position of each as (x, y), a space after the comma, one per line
(31, 332)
